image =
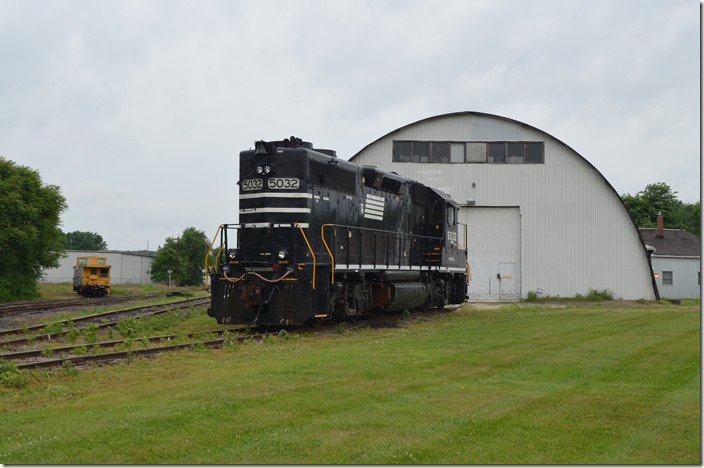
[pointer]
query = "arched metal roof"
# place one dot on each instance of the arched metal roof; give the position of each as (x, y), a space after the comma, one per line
(506, 119)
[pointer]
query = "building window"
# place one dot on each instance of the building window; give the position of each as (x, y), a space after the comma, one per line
(440, 152)
(535, 153)
(402, 151)
(667, 278)
(458, 152)
(496, 153)
(476, 152)
(420, 151)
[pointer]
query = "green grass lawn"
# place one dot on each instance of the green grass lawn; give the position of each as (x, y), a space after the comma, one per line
(520, 384)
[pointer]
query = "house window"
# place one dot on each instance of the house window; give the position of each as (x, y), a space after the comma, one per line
(667, 278)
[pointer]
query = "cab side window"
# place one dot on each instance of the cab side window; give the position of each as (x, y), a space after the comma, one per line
(451, 221)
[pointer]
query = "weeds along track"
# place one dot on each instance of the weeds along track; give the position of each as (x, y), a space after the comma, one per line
(101, 320)
(117, 350)
(114, 351)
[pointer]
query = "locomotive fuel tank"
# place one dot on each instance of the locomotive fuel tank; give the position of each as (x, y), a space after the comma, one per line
(393, 297)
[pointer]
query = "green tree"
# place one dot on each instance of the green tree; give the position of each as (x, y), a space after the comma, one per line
(83, 240)
(30, 237)
(184, 257)
(691, 218)
(657, 198)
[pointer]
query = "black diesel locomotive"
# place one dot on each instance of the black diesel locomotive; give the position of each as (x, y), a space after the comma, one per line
(322, 238)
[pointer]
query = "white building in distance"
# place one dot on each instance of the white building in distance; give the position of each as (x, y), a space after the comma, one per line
(540, 217)
(126, 268)
(676, 261)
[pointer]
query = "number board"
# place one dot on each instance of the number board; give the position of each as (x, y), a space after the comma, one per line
(283, 183)
(252, 184)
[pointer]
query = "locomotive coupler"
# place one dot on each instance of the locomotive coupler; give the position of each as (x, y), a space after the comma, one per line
(251, 295)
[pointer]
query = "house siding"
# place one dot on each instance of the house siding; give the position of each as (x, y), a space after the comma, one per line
(685, 276)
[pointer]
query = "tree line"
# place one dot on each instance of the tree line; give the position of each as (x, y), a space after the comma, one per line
(31, 240)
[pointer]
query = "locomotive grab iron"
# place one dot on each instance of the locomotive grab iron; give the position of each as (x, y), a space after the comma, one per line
(323, 238)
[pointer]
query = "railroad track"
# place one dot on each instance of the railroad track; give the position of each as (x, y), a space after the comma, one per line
(12, 309)
(38, 359)
(101, 320)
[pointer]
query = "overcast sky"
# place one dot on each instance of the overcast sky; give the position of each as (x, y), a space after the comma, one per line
(138, 109)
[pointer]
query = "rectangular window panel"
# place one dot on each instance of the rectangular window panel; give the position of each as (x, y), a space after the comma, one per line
(497, 153)
(535, 152)
(667, 278)
(440, 152)
(420, 152)
(476, 152)
(402, 151)
(457, 152)
(515, 153)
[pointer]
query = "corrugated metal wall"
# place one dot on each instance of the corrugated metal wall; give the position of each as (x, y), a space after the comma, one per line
(576, 234)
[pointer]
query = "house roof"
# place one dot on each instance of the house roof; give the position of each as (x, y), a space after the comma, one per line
(673, 242)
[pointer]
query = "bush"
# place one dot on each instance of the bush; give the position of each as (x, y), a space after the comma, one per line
(90, 333)
(11, 376)
(595, 296)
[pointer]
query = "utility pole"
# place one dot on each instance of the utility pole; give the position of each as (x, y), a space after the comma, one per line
(178, 258)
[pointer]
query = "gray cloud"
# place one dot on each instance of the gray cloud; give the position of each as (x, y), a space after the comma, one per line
(139, 109)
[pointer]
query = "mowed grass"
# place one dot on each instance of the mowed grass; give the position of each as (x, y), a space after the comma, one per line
(517, 384)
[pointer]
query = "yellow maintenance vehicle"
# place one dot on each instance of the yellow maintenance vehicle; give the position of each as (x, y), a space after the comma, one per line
(91, 276)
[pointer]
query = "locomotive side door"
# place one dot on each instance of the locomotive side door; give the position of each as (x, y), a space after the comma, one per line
(436, 229)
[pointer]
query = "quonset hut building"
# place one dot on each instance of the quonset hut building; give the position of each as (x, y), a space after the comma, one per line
(540, 217)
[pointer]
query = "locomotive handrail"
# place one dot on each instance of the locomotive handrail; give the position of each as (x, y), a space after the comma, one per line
(309, 249)
(401, 237)
(237, 226)
(207, 255)
(465, 235)
(332, 258)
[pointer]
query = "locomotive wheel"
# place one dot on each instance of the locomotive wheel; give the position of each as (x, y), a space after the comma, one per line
(313, 322)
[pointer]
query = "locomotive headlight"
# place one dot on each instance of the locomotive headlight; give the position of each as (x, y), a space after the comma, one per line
(282, 254)
(232, 254)
(267, 169)
(260, 169)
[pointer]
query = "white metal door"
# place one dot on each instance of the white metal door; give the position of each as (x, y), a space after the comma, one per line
(494, 252)
(506, 282)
